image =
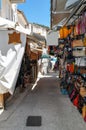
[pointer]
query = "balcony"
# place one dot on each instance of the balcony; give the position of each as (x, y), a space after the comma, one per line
(17, 1)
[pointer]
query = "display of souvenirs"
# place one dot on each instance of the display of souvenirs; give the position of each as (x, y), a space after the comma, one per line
(72, 64)
(61, 33)
(64, 32)
(80, 25)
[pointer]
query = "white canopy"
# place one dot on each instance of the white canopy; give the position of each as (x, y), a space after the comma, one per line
(10, 62)
(4, 23)
(10, 55)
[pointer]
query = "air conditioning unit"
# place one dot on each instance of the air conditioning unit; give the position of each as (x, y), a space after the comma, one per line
(17, 1)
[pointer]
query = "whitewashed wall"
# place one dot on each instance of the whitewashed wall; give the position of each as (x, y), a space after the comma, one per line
(40, 30)
(20, 20)
(6, 9)
(14, 13)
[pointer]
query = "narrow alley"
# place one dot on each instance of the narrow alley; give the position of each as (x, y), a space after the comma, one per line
(45, 100)
(43, 65)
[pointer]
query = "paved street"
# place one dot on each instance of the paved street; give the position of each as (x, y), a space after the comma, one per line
(44, 100)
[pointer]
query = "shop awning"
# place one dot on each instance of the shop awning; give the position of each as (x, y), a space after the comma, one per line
(34, 45)
(61, 9)
(60, 24)
(7, 24)
(56, 19)
(4, 23)
(38, 37)
(36, 49)
(35, 41)
(81, 7)
(58, 12)
(71, 3)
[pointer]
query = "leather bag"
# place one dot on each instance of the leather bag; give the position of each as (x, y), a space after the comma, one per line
(79, 51)
(84, 111)
(83, 91)
(76, 100)
(77, 43)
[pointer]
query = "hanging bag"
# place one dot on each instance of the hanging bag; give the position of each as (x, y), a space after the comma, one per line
(76, 100)
(84, 41)
(79, 51)
(79, 26)
(77, 43)
(84, 111)
(82, 70)
(83, 91)
(72, 94)
(61, 33)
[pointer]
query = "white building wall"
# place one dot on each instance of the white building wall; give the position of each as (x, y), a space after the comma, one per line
(3, 8)
(40, 30)
(8, 10)
(20, 20)
(14, 11)
(29, 28)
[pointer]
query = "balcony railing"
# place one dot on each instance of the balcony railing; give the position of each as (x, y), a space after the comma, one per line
(17, 1)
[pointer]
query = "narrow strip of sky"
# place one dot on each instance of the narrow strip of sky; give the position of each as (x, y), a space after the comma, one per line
(36, 11)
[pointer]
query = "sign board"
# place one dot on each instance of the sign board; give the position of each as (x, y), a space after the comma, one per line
(52, 38)
(14, 38)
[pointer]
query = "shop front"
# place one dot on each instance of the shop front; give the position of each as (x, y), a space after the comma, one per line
(72, 56)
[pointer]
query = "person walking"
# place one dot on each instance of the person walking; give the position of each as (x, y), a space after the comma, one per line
(44, 65)
(44, 61)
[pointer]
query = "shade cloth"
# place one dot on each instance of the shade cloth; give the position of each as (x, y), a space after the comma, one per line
(4, 24)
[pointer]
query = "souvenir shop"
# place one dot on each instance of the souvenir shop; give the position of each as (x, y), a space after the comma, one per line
(72, 62)
(33, 52)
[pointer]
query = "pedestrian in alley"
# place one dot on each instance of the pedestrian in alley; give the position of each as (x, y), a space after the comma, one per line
(44, 65)
(44, 61)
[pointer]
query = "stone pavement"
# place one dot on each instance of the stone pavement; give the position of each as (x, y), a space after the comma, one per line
(43, 100)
